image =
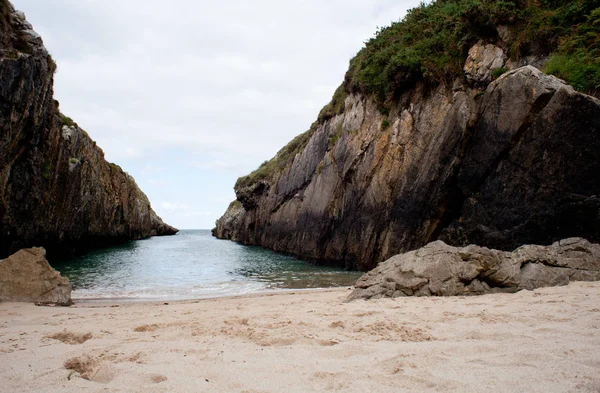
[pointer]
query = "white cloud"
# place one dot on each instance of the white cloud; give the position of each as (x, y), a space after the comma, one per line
(174, 206)
(225, 84)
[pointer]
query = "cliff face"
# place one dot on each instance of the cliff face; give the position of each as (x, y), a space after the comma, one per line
(56, 188)
(516, 163)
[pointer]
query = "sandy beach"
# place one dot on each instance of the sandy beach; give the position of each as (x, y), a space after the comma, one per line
(547, 340)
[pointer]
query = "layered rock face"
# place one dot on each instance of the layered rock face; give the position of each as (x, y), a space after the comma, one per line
(26, 276)
(516, 162)
(442, 270)
(56, 188)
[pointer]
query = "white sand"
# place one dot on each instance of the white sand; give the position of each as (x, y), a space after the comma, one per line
(542, 341)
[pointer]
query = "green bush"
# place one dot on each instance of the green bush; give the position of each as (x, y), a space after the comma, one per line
(282, 159)
(577, 59)
(498, 72)
(66, 120)
(385, 123)
(431, 43)
(235, 205)
(335, 106)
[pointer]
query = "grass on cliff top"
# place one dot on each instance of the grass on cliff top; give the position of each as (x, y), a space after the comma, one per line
(431, 44)
(282, 159)
(66, 120)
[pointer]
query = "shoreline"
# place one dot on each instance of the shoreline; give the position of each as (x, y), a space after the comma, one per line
(267, 292)
(546, 340)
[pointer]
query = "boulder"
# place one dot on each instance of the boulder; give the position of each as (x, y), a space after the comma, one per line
(442, 270)
(26, 276)
(482, 61)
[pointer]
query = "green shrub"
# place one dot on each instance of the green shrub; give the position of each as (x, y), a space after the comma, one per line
(577, 59)
(385, 123)
(66, 120)
(335, 106)
(431, 43)
(333, 139)
(282, 159)
(498, 72)
(234, 205)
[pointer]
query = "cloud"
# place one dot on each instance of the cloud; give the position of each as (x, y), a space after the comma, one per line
(215, 165)
(174, 206)
(225, 84)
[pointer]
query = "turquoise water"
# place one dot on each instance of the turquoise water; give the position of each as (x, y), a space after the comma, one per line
(191, 264)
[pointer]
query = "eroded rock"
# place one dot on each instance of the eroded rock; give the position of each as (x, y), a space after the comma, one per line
(515, 164)
(442, 270)
(26, 276)
(483, 59)
(56, 188)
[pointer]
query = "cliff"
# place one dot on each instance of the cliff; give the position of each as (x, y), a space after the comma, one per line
(478, 156)
(56, 188)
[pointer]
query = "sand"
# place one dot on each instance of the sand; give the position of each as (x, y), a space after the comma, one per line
(547, 340)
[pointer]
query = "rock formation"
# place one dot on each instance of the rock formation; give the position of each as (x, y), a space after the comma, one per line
(26, 276)
(517, 163)
(442, 270)
(56, 188)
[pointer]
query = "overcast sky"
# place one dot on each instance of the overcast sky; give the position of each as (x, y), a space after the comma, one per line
(188, 95)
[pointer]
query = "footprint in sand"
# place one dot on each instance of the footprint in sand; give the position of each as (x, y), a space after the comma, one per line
(157, 378)
(147, 328)
(70, 337)
(90, 368)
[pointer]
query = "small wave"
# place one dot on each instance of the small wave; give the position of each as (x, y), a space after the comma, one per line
(169, 293)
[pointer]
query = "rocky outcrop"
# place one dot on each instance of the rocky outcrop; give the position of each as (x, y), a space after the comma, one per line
(483, 59)
(26, 276)
(442, 270)
(517, 163)
(56, 188)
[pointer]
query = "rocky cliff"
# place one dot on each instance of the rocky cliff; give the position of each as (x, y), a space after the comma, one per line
(56, 188)
(490, 159)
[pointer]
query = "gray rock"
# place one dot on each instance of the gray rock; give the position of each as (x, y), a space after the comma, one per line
(26, 276)
(442, 270)
(56, 188)
(482, 61)
(516, 164)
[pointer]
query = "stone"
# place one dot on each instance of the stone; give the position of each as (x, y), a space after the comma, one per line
(26, 276)
(483, 59)
(442, 270)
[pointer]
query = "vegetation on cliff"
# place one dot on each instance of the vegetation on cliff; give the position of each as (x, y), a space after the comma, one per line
(432, 42)
(283, 157)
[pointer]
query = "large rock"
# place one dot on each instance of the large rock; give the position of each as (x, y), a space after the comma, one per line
(442, 270)
(518, 163)
(56, 188)
(483, 59)
(26, 276)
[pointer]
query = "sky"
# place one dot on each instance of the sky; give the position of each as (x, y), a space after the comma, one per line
(187, 95)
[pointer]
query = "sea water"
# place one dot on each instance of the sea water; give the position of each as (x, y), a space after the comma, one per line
(191, 264)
